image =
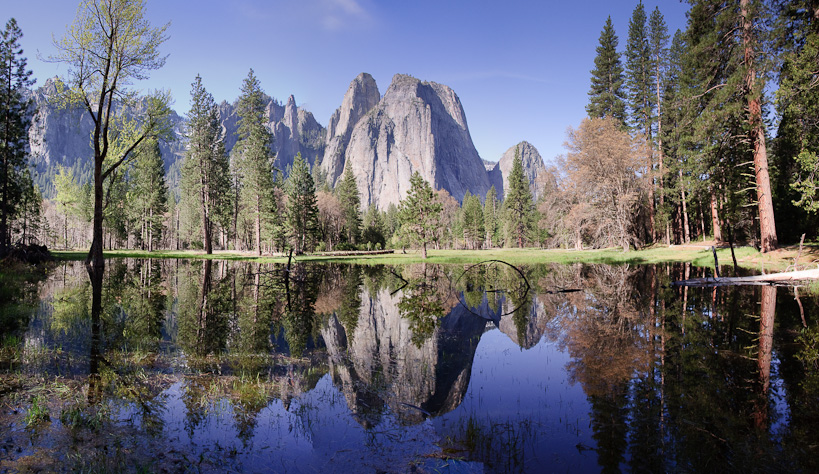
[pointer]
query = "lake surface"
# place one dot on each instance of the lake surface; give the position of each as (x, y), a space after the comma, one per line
(214, 366)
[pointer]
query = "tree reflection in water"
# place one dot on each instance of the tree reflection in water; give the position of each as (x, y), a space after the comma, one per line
(673, 379)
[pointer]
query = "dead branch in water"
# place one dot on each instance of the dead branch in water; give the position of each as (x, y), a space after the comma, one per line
(784, 278)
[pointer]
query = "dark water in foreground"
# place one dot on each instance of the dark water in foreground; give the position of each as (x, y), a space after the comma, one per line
(216, 366)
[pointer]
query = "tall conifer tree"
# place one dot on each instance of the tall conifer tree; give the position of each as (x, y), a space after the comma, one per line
(15, 119)
(472, 219)
(255, 158)
(420, 212)
(639, 73)
(723, 58)
(518, 203)
(351, 205)
(147, 195)
(205, 177)
(491, 209)
(302, 208)
(606, 95)
(797, 101)
(640, 82)
(658, 48)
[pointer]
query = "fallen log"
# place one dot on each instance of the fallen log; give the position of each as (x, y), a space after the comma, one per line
(784, 278)
(351, 253)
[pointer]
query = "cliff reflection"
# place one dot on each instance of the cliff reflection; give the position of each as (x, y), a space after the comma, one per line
(672, 378)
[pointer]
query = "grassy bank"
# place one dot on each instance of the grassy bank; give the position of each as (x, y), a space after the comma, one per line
(699, 255)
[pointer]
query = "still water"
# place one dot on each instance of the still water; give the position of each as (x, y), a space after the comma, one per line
(200, 366)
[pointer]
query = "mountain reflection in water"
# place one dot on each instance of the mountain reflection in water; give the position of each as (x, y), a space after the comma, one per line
(172, 364)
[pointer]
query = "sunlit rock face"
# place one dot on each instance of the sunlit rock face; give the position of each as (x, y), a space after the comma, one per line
(532, 167)
(417, 126)
(379, 365)
(360, 98)
(60, 135)
(294, 131)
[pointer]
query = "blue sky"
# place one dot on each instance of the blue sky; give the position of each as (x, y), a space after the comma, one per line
(520, 68)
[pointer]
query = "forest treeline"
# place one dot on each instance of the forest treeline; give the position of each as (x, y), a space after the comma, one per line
(706, 133)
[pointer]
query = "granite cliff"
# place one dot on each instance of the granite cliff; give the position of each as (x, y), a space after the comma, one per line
(360, 98)
(532, 167)
(294, 130)
(416, 126)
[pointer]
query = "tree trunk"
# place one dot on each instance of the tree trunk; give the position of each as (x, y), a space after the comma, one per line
(651, 209)
(660, 148)
(767, 226)
(95, 257)
(258, 225)
(5, 235)
(151, 230)
(686, 228)
(715, 218)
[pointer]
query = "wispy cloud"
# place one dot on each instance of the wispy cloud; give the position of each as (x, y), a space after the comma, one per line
(326, 15)
(338, 15)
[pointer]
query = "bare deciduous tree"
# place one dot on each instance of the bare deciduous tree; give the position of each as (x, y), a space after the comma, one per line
(603, 173)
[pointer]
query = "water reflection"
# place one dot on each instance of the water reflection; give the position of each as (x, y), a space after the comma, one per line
(222, 361)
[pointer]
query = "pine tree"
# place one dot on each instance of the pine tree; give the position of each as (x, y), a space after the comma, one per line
(350, 203)
(374, 228)
(639, 74)
(420, 212)
(205, 172)
(302, 209)
(472, 219)
(29, 220)
(640, 81)
(255, 159)
(147, 195)
(752, 47)
(518, 203)
(658, 48)
(15, 119)
(797, 101)
(723, 44)
(114, 218)
(606, 96)
(491, 219)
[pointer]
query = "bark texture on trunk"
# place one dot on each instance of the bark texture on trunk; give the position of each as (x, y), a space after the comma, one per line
(715, 224)
(767, 226)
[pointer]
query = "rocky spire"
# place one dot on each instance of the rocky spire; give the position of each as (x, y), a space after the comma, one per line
(532, 166)
(360, 98)
(417, 126)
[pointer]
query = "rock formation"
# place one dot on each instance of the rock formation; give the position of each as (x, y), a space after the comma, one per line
(381, 366)
(360, 98)
(61, 136)
(294, 131)
(532, 167)
(416, 126)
